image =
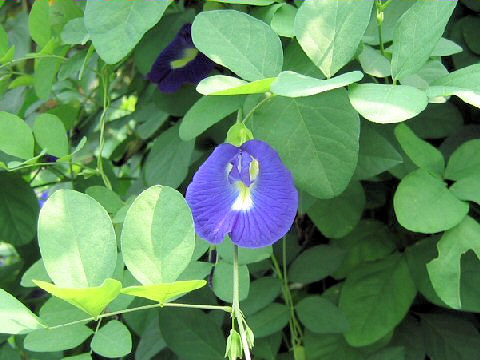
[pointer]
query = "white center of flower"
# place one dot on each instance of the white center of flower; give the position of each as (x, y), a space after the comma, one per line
(244, 201)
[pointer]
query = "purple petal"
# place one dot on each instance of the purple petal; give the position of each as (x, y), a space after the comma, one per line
(170, 79)
(266, 211)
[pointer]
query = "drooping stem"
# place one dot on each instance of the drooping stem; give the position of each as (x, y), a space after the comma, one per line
(227, 309)
(256, 107)
(236, 312)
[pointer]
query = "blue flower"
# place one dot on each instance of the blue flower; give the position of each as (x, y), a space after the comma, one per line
(245, 192)
(180, 63)
(42, 199)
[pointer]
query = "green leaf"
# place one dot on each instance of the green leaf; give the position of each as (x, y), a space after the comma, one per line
(36, 271)
(375, 298)
(291, 84)
(192, 335)
(448, 337)
(316, 137)
(369, 241)
(51, 135)
(254, 53)
(92, 300)
(3, 42)
(16, 137)
(470, 32)
(165, 292)
(230, 85)
(223, 281)
(169, 159)
(116, 27)
(321, 316)
(77, 240)
(158, 236)
(315, 263)
(416, 35)
(296, 60)
(376, 153)
(467, 189)
(247, 2)
(268, 321)
(18, 210)
(113, 340)
(60, 339)
(245, 256)
(46, 67)
(433, 208)
(283, 20)
(437, 121)
(446, 47)
(39, 23)
(337, 217)
(445, 270)
(374, 63)
(464, 162)
(58, 312)
(423, 154)
(330, 31)
(386, 104)
(263, 292)
(75, 32)
(16, 318)
(330, 347)
(427, 75)
(109, 199)
(218, 107)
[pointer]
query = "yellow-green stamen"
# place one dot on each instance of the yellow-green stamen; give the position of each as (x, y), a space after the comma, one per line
(188, 55)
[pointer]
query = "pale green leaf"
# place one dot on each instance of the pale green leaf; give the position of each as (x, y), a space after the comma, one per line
(229, 85)
(195, 122)
(422, 153)
(158, 236)
(245, 256)
(238, 41)
(374, 63)
(223, 281)
(330, 31)
(116, 27)
(424, 204)
(263, 292)
(60, 339)
(16, 137)
(75, 32)
(16, 318)
(316, 137)
(467, 189)
(445, 271)
(417, 33)
(283, 20)
(113, 340)
(375, 298)
(385, 104)
(35, 272)
(247, 2)
(77, 240)
(465, 161)
(92, 300)
(165, 292)
(39, 22)
(446, 47)
(292, 84)
(50, 134)
(109, 199)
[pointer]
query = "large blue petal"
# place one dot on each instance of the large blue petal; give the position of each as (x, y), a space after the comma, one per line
(275, 200)
(212, 196)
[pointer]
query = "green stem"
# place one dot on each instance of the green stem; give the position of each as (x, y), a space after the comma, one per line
(32, 56)
(380, 26)
(256, 107)
(227, 309)
(105, 179)
(236, 305)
